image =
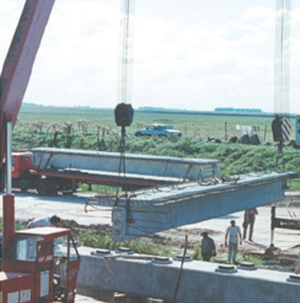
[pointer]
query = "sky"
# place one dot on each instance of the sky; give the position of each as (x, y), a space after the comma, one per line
(191, 54)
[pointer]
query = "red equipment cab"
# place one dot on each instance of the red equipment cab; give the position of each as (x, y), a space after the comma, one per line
(41, 266)
(21, 164)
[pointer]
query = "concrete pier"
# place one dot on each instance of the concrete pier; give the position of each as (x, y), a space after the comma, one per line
(201, 282)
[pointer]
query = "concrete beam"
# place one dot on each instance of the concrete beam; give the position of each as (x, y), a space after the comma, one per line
(146, 212)
(185, 168)
(200, 282)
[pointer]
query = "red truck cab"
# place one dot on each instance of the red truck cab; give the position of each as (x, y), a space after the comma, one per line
(42, 265)
(21, 164)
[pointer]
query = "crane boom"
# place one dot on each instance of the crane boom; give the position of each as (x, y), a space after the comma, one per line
(19, 61)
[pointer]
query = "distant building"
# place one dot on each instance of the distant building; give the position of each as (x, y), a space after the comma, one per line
(237, 110)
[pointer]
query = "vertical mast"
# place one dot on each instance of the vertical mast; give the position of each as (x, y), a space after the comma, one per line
(282, 58)
(8, 200)
(126, 51)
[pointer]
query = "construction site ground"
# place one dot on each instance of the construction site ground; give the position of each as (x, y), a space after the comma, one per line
(72, 209)
(31, 205)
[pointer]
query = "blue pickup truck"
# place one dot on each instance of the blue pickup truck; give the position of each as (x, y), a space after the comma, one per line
(159, 130)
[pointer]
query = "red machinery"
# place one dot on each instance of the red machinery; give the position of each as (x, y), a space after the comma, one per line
(49, 179)
(39, 264)
(34, 260)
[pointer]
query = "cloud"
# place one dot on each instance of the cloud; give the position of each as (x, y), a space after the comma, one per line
(79, 52)
(198, 64)
(204, 55)
(10, 13)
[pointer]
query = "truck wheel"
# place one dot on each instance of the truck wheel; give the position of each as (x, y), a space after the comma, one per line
(51, 188)
(42, 187)
(24, 189)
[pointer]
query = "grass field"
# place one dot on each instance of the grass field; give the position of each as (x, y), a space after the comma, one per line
(95, 129)
(199, 126)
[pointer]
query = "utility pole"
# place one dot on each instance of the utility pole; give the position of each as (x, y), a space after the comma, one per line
(225, 130)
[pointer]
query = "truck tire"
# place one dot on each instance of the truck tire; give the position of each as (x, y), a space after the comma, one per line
(42, 187)
(24, 189)
(51, 188)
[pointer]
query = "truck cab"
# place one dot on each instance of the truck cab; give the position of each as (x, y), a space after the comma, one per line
(41, 266)
(20, 170)
(21, 164)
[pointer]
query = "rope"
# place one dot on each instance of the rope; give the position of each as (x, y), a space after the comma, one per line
(181, 269)
(125, 74)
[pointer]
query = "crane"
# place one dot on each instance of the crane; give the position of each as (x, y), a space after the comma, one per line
(30, 257)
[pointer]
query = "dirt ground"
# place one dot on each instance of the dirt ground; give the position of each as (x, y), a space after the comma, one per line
(71, 209)
(287, 242)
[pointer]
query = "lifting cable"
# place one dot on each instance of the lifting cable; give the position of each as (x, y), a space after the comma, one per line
(282, 58)
(124, 111)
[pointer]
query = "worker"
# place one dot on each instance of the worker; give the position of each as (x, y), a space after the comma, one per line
(56, 285)
(277, 129)
(269, 253)
(234, 233)
(49, 222)
(249, 219)
(208, 248)
(44, 222)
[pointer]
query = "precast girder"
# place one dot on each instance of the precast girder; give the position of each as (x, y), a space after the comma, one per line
(138, 165)
(143, 213)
